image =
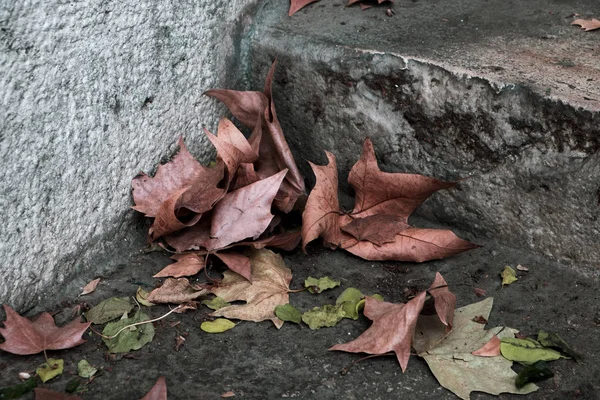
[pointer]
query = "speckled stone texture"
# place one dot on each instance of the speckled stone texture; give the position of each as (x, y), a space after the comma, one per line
(505, 94)
(93, 92)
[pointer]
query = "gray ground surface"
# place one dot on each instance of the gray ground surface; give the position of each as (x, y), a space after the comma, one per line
(257, 361)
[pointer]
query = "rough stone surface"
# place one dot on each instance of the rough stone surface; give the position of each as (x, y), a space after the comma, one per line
(508, 98)
(94, 92)
(257, 361)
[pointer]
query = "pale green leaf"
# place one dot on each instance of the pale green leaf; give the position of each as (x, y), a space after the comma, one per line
(449, 355)
(108, 310)
(216, 303)
(132, 338)
(288, 312)
(324, 316)
(50, 369)
(315, 285)
(219, 325)
(508, 275)
(85, 369)
(141, 296)
(349, 299)
(527, 351)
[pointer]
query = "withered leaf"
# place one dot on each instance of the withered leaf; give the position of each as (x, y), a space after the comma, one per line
(90, 287)
(49, 394)
(179, 188)
(490, 349)
(175, 291)
(268, 289)
(158, 391)
(586, 25)
(24, 337)
(254, 109)
(382, 198)
(244, 213)
(377, 229)
(187, 264)
(238, 263)
(394, 325)
(392, 329)
(296, 5)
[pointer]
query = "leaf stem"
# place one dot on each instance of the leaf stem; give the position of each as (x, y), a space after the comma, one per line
(135, 324)
(297, 290)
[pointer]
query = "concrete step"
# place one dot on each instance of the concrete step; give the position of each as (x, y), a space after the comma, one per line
(506, 94)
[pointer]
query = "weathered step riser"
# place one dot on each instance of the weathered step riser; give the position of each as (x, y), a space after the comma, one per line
(533, 164)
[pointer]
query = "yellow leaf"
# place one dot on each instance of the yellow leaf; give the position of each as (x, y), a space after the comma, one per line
(219, 325)
(508, 275)
(50, 369)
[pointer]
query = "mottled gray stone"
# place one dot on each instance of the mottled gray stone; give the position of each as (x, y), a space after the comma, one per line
(94, 92)
(532, 159)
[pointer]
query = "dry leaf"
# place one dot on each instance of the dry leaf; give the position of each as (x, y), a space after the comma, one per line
(479, 292)
(90, 287)
(255, 109)
(228, 394)
(238, 263)
(158, 391)
(175, 291)
(49, 394)
(449, 354)
(392, 329)
(244, 213)
(296, 5)
(179, 341)
(394, 325)
(490, 349)
(180, 188)
(187, 264)
(587, 25)
(480, 319)
(378, 195)
(24, 337)
(268, 289)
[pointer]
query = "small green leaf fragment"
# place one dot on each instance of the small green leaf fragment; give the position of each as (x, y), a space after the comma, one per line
(108, 310)
(50, 369)
(219, 325)
(289, 313)
(18, 390)
(216, 303)
(132, 338)
(141, 296)
(85, 369)
(553, 340)
(377, 297)
(324, 316)
(527, 351)
(535, 372)
(315, 285)
(508, 275)
(73, 385)
(349, 299)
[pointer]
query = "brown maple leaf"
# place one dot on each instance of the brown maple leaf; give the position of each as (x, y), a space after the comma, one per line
(384, 200)
(296, 5)
(255, 109)
(590, 25)
(24, 337)
(392, 329)
(268, 289)
(158, 391)
(394, 325)
(244, 213)
(49, 394)
(175, 291)
(178, 194)
(187, 264)
(490, 349)
(90, 287)
(238, 263)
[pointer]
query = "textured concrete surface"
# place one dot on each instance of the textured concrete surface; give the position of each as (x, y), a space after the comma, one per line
(505, 93)
(92, 92)
(257, 361)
